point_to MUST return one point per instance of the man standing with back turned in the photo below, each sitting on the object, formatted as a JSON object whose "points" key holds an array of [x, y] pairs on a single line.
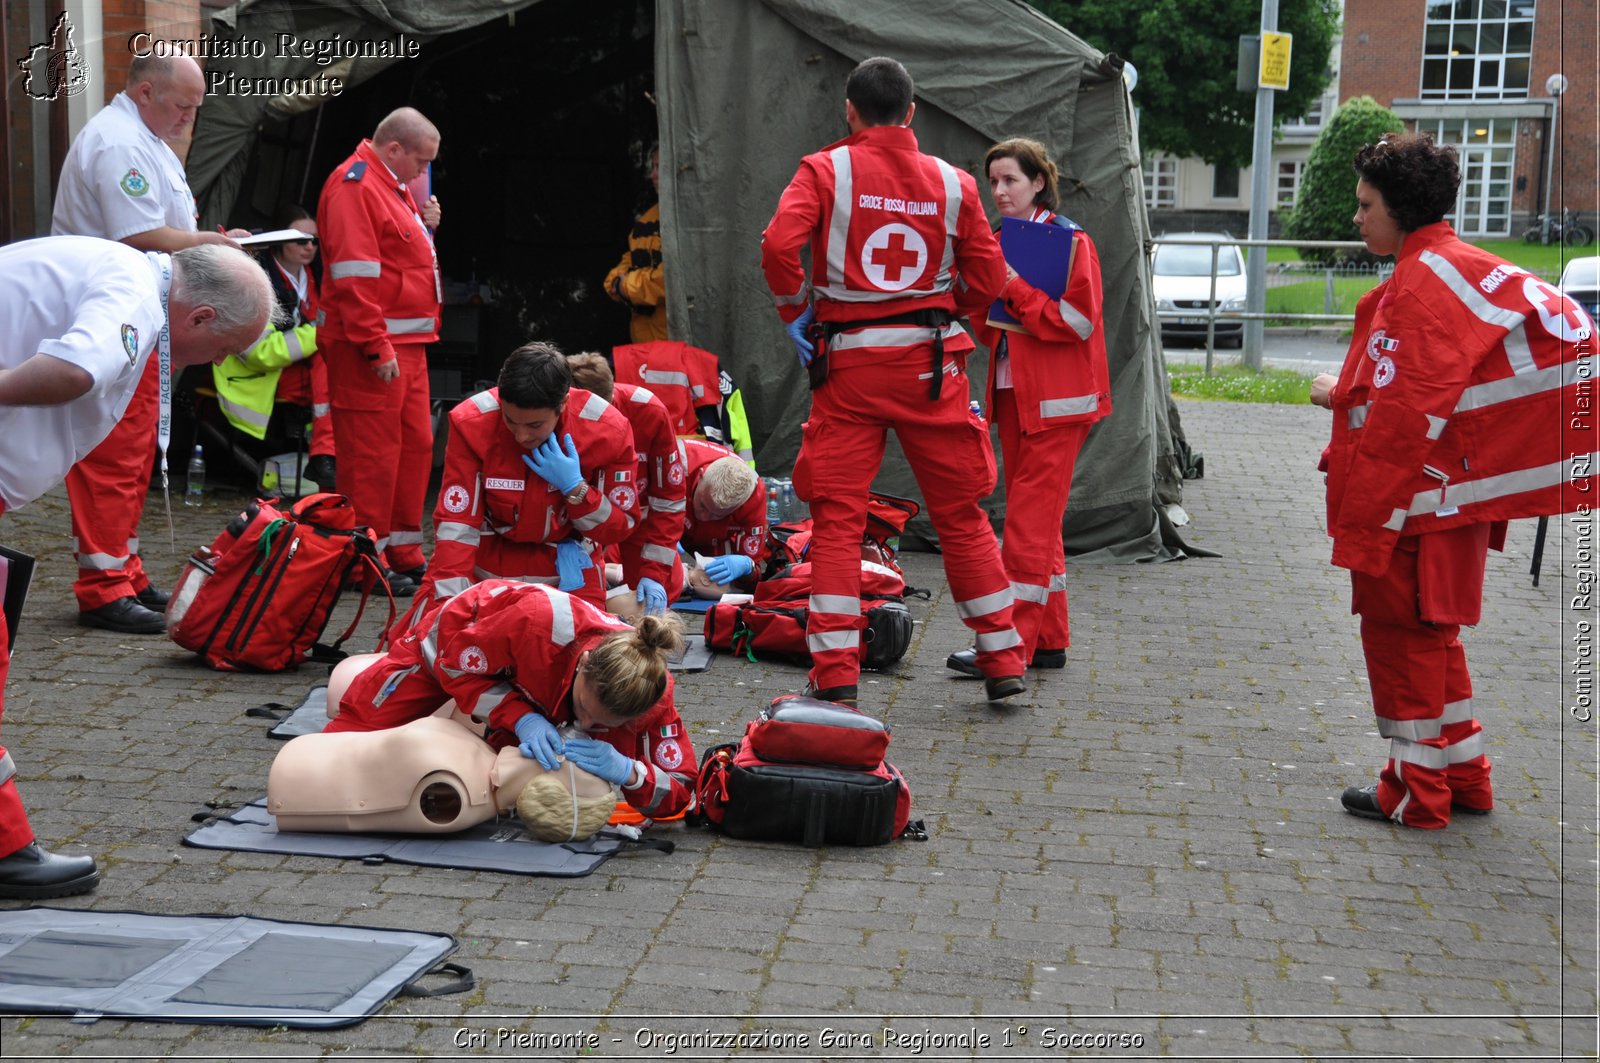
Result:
{"points": [[380, 310], [900, 248], [120, 181]]}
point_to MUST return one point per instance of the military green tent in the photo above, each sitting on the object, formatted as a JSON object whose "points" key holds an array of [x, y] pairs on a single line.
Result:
{"points": [[744, 90]]}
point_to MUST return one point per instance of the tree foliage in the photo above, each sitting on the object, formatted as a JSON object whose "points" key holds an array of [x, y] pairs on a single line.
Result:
{"points": [[1327, 199], [1187, 53]]}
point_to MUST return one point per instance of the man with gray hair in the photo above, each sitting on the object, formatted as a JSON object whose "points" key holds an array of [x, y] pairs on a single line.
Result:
{"points": [[121, 181], [380, 310], [79, 320]]}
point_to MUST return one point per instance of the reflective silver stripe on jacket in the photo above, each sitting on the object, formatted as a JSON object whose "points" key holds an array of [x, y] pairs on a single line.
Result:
{"points": [[453, 531], [320, 409], [801, 296], [354, 267], [592, 521], [1070, 406], [405, 326], [641, 394], [486, 402], [450, 587], [667, 505], [390, 684], [563, 629], [661, 555], [8, 767], [405, 538], [1516, 482], [239, 411], [594, 408], [1550, 378], [889, 336], [490, 700], [952, 213], [1075, 319], [844, 198], [666, 377], [291, 342], [1480, 306]]}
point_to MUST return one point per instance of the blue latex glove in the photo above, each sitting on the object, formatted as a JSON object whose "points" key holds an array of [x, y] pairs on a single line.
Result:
{"points": [[600, 759], [556, 463], [540, 740], [797, 336], [725, 568], [652, 595], [571, 560]]}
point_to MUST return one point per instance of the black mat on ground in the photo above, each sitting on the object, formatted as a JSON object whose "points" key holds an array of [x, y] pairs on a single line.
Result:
{"points": [[211, 968], [693, 605], [291, 721], [499, 845], [696, 657]]}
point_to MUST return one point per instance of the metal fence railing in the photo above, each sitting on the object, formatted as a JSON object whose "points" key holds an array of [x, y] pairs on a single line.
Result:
{"points": [[1298, 292]]}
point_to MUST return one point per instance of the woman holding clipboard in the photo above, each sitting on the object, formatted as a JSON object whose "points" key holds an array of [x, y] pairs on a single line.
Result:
{"points": [[1048, 382]]}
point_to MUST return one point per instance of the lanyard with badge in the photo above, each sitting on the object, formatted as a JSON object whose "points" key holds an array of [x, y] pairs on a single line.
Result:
{"points": [[164, 369]]}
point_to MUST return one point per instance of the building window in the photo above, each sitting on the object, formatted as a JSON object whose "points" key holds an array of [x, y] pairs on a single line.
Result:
{"points": [[1477, 49], [1225, 182], [1289, 182], [1160, 182], [1487, 148], [1312, 119]]}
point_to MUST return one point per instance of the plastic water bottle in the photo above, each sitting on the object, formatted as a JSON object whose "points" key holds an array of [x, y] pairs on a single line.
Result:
{"points": [[976, 408], [774, 504], [789, 505], [194, 490]]}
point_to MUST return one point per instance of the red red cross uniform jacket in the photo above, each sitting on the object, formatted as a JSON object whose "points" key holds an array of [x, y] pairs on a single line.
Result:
{"points": [[744, 531], [651, 550], [502, 650], [1455, 410], [495, 518], [1056, 384], [891, 232], [684, 378]]}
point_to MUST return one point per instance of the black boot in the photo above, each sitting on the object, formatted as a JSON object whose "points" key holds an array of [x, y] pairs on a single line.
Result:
{"points": [[32, 873]]}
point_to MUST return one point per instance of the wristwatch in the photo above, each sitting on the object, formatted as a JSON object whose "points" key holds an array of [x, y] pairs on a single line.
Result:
{"points": [[577, 494]]}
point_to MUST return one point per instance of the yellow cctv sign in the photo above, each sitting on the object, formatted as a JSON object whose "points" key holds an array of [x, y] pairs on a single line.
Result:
{"points": [[1275, 60]]}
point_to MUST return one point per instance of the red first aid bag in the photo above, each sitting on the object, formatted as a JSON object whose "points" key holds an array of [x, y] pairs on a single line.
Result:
{"points": [[258, 598], [773, 624], [748, 791]]}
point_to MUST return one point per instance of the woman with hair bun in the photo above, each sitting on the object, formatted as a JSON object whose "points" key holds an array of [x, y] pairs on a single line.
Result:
{"points": [[528, 660], [1046, 386], [1451, 416]]}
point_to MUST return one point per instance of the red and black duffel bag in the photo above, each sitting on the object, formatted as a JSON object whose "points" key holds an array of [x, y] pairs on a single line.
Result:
{"points": [[259, 597], [773, 624], [807, 771]]}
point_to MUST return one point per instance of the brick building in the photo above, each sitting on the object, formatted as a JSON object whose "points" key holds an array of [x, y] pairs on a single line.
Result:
{"points": [[1477, 74]]}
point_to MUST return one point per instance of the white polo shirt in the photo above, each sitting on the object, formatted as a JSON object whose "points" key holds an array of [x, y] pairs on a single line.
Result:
{"points": [[89, 302], [119, 179]]}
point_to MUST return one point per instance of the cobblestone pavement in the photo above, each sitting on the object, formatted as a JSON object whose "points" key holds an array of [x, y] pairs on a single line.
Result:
{"points": [[1144, 856]]}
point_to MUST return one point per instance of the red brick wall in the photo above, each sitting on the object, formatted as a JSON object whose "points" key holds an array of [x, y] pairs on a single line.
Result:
{"points": [[179, 19], [1382, 52]]}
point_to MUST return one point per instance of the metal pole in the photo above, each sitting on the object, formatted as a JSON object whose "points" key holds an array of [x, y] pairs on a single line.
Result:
{"points": [[1260, 184], [1549, 170]]}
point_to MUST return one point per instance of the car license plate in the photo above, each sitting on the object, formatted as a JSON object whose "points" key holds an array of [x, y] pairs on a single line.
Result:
{"points": [[1191, 321]]}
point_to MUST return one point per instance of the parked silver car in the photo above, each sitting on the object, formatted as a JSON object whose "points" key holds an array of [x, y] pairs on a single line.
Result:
{"points": [[1181, 273]]}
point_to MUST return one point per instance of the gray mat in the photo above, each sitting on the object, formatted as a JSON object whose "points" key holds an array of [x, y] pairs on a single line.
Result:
{"points": [[494, 846], [695, 657], [210, 968]]}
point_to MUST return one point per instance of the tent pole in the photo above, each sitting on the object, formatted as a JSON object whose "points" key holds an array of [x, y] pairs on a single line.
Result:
{"points": [[311, 153]]}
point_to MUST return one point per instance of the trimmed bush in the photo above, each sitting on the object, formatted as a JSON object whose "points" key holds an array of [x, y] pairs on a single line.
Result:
{"points": [[1327, 199]]}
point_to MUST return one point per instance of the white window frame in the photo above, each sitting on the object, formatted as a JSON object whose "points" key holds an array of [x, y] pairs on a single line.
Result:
{"points": [[1160, 182], [1478, 49]]}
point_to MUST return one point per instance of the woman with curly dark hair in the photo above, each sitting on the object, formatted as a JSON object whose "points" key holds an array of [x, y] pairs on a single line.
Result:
{"points": [[1450, 418]]}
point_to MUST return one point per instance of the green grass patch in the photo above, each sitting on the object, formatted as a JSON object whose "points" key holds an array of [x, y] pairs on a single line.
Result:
{"points": [[1311, 297], [1235, 383], [1536, 258]]}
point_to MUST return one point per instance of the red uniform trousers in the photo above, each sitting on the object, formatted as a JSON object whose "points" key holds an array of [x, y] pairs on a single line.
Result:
{"points": [[385, 440], [305, 383], [868, 392], [1411, 618], [1038, 478], [107, 490], [14, 829]]}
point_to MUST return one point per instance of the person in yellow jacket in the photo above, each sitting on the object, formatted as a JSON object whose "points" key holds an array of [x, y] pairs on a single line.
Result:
{"points": [[638, 280], [281, 365]]}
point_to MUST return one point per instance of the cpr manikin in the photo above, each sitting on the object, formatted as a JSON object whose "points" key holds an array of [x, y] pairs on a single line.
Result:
{"points": [[434, 775]]}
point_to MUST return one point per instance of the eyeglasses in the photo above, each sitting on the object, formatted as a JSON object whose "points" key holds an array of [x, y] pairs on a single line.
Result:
{"points": [[310, 241]]}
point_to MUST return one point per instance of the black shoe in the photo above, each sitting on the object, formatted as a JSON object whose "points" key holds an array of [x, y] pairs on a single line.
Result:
{"points": [[999, 687], [1048, 659], [320, 471], [964, 661], [415, 575], [152, 597], [125, 615], [400, 585], [840, 695], [31, 873], [1471, 810], [1362, 801]]}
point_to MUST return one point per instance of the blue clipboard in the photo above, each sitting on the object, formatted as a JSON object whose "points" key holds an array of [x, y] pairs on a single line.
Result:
{"points": [[1041, 253]]}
